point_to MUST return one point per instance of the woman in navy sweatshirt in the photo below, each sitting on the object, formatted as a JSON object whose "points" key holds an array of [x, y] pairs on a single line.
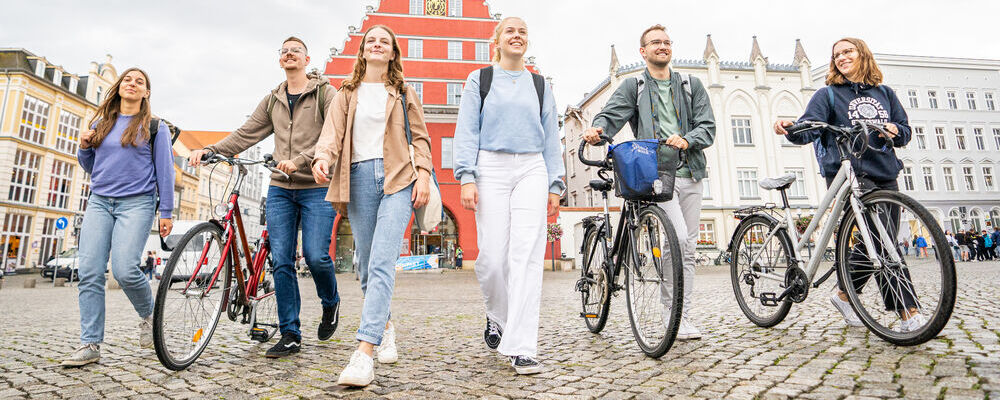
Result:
{"points": [[854, 92], [126, 173]]}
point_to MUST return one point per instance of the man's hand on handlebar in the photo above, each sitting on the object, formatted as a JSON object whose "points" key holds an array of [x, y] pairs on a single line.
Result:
{"points": [[195, 159], [287, 166], [677, 141], [781, 124], [593, 135]]}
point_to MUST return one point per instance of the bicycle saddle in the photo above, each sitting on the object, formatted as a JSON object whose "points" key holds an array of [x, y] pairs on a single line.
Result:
{"points": [[600, 185], [780, 183]]}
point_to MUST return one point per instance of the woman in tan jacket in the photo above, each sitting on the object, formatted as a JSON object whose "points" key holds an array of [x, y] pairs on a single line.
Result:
{"points": [[374, 178]]}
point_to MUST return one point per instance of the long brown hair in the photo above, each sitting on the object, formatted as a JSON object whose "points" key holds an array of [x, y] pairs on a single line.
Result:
{"points": [[496, 37], [394, 75], [869, 72], [107, 114]]}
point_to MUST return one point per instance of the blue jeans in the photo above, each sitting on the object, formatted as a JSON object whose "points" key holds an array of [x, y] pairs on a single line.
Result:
{"points": [[115, 228], [378, 221], [287, 210]]}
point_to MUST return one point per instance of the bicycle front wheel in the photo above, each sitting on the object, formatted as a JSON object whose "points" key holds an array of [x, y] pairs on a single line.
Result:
{"points": [[654, 282], [594, 284], [188, 304], [905, 300]]}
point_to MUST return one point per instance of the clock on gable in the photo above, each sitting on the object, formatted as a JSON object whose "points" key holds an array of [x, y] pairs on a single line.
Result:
{"points": [[436, 7]]}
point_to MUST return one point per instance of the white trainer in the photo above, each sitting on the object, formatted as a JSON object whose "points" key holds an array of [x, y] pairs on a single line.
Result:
{"points": [[687, 330], [845, 308], [146, 332], [359, 372], [387, 353], [914, 323]]}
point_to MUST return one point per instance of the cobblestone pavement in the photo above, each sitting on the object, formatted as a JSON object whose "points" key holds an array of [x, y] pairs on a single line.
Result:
{"points": [[440, 321]]}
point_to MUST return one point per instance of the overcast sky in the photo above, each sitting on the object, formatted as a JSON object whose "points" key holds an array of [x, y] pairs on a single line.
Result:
{"points": [[211, 61]]}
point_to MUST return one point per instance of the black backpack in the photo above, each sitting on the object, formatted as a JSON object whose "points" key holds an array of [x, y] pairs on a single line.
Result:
{"points": [[486, 80], [154, 127]]}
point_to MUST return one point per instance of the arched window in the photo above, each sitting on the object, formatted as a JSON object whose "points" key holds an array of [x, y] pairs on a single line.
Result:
{"points": [[976, 220], [956, 220]]}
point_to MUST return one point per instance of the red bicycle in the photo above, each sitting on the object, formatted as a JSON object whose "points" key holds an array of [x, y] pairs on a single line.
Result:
{"points": [[206, 274]]}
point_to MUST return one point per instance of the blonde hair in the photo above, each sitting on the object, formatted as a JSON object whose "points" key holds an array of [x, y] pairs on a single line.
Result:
{"points": [[110, 108], [868, 69], [394, 75], [496, 37], [657, 27]]}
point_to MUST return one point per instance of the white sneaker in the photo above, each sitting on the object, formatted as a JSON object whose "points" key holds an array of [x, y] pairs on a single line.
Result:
{"points": [[845, 308], [359, 372], [687, 330], [146, 332], [387, 353], [914, 323]]}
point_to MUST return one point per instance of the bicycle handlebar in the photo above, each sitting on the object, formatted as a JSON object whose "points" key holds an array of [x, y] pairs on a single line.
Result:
{"points": [[585, 161], [860, 130], [268, 161]]}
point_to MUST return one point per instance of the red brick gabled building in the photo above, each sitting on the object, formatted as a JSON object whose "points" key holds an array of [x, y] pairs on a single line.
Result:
{"points": [[441, 42]]}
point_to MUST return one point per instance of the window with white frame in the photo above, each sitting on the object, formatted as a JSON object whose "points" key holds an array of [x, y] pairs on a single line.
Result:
{"points": [[932, 99], [996, 137], [482, 51], [419, 88], [969, 176], [417, 7], [454, 50], [949, 178], [952, 101], [454, 8], [590, 196], [570, 165], [989, 184], [912, 94], [798, 188], [576, 201], [907, 177], [970, 98], [415, 48], [918, 133], [34, 120], [942, 141], [706, 233], [956, 220], [991, 105], [960, 138], [60, 180], [747, 181], [68, 132], [741, 130], [706, 188], [447, 152], [928, 178], [454, 93], [81, 205], [49, 240], [24, 179], [977, 134]]}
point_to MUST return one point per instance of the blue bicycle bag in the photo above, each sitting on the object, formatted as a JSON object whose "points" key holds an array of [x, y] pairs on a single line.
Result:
{"points": [[637, 171]]}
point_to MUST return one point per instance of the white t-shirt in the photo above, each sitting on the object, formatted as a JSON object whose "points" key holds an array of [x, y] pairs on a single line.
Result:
{"points": [[368, 131]]}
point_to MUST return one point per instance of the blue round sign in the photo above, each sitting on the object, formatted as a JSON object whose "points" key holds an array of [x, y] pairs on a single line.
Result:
{"points": [[61, 223]]}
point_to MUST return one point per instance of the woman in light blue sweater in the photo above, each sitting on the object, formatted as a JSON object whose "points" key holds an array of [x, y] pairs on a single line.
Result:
{"points": [[509, 161], [127, 171]]}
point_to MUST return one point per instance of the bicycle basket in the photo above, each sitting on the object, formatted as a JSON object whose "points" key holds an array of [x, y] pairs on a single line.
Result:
{"points": [[637, 171]]}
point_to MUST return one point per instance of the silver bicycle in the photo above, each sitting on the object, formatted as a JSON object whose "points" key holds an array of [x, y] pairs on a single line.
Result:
{"points": [[904, 300]]}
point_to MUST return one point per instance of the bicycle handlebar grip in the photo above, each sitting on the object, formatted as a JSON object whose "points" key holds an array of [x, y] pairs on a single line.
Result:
{"points": [[798, 127], [584, 160], [208, 155]]}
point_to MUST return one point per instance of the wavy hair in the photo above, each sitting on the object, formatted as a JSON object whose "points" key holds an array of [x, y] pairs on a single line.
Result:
{"points": [[394, 75], [868, 69], [110, 108]]}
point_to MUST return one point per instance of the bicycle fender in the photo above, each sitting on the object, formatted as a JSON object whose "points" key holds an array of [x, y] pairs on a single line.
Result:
{"points": [[590, 224]]}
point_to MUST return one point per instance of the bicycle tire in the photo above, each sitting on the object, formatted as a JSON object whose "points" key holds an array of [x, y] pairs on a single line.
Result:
{"points": [[739, 274], [163, 341], [945, 263], [593, 271], [674, 277]]}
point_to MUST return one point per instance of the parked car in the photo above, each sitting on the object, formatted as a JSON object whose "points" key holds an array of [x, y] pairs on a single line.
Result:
{"points": [[183, 272], [66, 265]]}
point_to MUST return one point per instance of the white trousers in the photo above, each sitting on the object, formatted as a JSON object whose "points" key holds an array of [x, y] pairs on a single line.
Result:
{"points": [[510, 222], [684, 211]]}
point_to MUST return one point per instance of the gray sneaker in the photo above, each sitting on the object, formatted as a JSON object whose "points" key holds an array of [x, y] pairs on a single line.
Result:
{"points": [[146, 332], [86, 354]]}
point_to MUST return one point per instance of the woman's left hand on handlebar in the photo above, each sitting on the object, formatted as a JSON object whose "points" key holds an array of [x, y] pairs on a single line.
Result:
{"points": [[422, 189], [677, 141], [891, 130]]}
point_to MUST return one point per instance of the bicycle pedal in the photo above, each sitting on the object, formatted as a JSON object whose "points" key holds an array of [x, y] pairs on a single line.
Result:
{"points": [[585, 315], [769, 299]]}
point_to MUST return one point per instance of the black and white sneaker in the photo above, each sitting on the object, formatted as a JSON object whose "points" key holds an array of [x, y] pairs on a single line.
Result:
{"points": [[525, 365], [328, 325], [492, 334], [289, 344]]}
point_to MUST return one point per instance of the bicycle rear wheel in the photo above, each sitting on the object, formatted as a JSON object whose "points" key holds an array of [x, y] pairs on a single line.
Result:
{"points": [[185, 317], [910, 298], [594, 284], [654, 282], [754, 278]]}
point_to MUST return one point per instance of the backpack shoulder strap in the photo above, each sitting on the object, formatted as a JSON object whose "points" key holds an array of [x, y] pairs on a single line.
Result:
{"points": [[406, 117], [154, 128], [829, 97], [686, 84], [321, 99], [485, 81], [540, 90]]}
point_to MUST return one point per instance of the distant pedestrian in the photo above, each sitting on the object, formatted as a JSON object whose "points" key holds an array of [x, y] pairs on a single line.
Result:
{"points": [[953, 243], [995, 237], [921, 246], [150, 265], [127, 169], [458, 257], [988, 245], [906, 248], [981, 246], [963, 245]]}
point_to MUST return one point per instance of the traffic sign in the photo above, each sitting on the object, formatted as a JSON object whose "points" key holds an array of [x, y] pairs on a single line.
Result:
{"points": [[61, 223]]}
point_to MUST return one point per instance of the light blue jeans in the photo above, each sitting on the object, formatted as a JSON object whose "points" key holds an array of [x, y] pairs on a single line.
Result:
{"points": [[378, 221], [115, 227]]}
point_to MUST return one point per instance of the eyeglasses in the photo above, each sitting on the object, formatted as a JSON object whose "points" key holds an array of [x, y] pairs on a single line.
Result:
{"points": [[846, 52], [296, 50], [657, 43]]}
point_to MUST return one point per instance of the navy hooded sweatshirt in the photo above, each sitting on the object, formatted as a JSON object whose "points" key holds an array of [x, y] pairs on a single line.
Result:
{"points": [[856, 102]]}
